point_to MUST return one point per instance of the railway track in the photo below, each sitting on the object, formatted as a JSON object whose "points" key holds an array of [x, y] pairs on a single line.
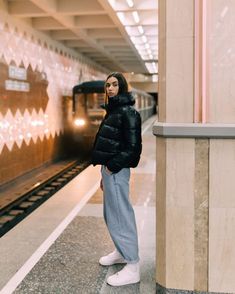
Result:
{"points": [[16, 211]]}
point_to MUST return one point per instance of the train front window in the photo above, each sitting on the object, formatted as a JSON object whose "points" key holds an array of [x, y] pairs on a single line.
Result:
{"points": [[94, 101], [80, 105]]}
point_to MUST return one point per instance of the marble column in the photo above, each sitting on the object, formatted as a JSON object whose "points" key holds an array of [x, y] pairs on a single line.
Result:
{"points": [[195, 205]]}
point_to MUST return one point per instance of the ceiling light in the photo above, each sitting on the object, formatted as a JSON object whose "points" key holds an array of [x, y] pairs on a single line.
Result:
{"points": [[154, 64], [133, 39], [136, 41], [130, 3], [112, 3], [154, 46], [154, 78], [139, 46], [141, 30], [154, 50], [144, 39], [153, 40], [121, 16], [129, 30], [136, 16], [144, 57], [151, 66], [132, 31], [142, 51]]}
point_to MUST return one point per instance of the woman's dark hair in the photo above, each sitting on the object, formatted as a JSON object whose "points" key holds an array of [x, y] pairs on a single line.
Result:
{"points": [[122, 83]]}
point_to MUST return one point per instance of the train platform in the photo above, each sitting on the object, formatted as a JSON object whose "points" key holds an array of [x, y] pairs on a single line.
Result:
{"points": [[56, 248]]}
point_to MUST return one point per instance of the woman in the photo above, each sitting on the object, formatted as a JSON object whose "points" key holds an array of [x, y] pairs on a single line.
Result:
{"points": [[118, 147]]}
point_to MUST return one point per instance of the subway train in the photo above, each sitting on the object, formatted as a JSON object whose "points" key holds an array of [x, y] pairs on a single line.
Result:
{"points": [[87, 112]]}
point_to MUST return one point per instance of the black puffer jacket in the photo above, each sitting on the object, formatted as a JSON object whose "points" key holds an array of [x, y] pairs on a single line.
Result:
{"points": [[118, 143]]}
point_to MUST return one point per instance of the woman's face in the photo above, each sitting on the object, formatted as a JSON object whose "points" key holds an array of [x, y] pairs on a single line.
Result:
{"points": [[112, 86]]}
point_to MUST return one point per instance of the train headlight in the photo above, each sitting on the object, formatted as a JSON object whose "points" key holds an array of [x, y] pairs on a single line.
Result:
{"points": [[79, 122]]}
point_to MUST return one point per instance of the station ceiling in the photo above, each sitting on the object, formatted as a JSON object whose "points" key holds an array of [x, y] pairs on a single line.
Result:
{"points": [[119, 35]]}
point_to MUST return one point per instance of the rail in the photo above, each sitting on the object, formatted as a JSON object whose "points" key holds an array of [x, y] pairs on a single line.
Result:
{"points": [[26, 203]]}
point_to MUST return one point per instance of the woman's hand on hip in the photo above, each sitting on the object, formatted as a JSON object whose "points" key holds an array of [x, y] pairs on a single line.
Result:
{"points": [[108, 171]]}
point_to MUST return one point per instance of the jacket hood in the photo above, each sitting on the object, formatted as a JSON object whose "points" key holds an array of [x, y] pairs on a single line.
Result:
{"points": [[120, 100]]}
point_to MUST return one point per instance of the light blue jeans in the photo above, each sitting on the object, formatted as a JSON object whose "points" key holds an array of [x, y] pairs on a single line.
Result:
{"points": [[119, 214]]}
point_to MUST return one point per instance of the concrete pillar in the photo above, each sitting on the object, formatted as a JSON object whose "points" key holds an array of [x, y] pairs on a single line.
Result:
{"points": [[195, 185]]}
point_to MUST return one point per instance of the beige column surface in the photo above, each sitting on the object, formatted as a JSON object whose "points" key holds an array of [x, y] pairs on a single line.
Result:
{"points": [[195, 177], [175, 157], [162, 60], [222, 61], [222, 152], [180, 214], [179, 80], [176, 60], [222, 216]]}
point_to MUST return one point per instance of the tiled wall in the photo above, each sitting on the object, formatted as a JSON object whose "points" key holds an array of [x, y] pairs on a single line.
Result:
{"points": [[34, 77]]}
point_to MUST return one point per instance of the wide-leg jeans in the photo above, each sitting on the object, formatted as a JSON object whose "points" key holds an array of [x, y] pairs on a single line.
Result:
{"points": [[119, 214]]}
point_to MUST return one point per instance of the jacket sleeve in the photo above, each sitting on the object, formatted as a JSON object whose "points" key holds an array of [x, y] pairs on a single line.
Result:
{"points": [[130, 155]]}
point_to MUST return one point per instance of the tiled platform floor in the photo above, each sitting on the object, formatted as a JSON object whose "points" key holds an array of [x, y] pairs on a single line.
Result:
{"points": [[71, 263]]}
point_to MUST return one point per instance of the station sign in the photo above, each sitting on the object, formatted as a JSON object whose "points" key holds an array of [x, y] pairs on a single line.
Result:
{"points": [[17, 76]]}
